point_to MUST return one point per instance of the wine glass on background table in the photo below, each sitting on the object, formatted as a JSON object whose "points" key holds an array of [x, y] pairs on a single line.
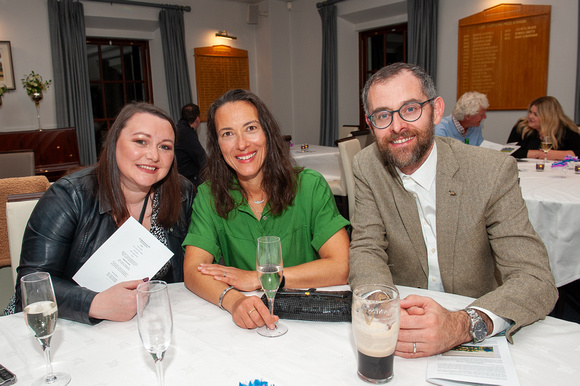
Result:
{"points": [[270, 272], [40, 314], [155, 321], [546, 146]]}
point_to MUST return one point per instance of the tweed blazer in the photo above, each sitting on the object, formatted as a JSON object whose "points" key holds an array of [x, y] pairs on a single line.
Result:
{"points": [[486, 246]]}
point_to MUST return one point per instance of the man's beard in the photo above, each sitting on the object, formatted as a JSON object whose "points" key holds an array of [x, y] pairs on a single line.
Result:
{"points": [[403, 158]]}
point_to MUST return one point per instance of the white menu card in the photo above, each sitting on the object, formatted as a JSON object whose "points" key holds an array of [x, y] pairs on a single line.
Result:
{"points": [[131, 253]]}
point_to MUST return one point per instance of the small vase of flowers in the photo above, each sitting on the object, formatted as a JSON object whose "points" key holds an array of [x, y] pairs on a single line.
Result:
{"points": [[35, 85]]}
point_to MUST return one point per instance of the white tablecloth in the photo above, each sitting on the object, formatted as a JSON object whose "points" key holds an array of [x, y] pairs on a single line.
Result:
{"points": [[553, 201], [323, 159], [209, 349]]}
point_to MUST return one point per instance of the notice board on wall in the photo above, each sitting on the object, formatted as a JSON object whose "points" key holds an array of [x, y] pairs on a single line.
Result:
{"points": [[503, 53], [219, 69]]}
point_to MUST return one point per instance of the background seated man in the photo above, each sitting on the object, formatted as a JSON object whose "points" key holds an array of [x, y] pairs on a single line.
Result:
{"points": [[465, 122], [189, 152], [428, 215]]}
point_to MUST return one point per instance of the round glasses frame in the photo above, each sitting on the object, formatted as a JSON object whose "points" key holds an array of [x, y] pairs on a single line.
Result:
{"points": [[404, 115]]}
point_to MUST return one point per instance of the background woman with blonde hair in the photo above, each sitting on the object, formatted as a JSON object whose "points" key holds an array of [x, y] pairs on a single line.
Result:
{"points": [[545, 118]]}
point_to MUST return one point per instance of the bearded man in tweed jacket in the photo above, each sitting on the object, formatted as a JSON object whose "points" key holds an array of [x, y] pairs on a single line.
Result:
{"points": [[434, 213]]}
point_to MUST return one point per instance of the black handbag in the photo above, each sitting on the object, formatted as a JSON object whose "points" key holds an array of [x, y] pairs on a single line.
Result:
{"points": [[313, 305]]}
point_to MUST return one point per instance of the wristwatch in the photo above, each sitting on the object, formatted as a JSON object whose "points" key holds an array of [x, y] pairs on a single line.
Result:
{"points": [[478, 329]]}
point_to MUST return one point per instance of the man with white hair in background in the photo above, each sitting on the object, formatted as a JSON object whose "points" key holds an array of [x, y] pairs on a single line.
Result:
{"points": [[464, 123]]}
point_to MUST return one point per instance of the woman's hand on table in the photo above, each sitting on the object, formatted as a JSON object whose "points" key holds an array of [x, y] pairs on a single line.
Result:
{"points": [[240, 279], [538, 154], [118, 303], [250, 312]]}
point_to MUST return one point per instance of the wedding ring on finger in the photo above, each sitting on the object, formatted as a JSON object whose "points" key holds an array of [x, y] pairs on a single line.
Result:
{"points": [[252, 310], [414, 348]]}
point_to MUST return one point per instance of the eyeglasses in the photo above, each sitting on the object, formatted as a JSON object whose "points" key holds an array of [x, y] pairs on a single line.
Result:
{"points": [[409, 112]]}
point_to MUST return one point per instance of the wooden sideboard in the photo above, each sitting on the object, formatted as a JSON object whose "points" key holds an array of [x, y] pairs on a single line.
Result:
{"points": [[55, 150]]}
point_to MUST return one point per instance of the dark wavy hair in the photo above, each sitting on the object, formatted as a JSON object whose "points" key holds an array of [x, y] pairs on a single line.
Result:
{"points": [[280, 173], [109, 176]]}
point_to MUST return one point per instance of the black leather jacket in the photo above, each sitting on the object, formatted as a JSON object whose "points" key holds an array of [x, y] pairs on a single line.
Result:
{"points": [[68, 225]]}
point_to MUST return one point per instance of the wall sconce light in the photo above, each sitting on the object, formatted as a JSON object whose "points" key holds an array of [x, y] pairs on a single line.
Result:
{"points": [[225, 35]]}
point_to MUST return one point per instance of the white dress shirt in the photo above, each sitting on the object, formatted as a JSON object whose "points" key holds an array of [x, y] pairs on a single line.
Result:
{"points": [[422, 184]]}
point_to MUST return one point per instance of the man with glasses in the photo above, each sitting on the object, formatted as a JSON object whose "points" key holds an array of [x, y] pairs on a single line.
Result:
{"points": [[434, 213]]}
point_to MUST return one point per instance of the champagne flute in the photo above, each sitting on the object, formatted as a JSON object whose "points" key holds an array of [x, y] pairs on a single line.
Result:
{"points": [[155, 321], [270, 271], [546, 146], [40, 314]]}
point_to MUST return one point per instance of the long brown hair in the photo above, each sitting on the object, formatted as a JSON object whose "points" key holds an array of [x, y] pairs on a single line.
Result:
{"points": [[553, 121], [279, 170], [109, 176]]}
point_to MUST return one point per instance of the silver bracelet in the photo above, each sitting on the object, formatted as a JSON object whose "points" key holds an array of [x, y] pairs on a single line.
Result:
{"points": [[222, 296]]}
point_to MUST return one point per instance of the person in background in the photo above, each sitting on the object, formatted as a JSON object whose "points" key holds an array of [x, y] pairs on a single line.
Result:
{"points": [[136, 176], [428, 215], [254, 189], [465, 122], [190, 154], [545, 118]]}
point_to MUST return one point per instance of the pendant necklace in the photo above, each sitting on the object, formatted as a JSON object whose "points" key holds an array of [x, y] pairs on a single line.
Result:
{"points": [[259, 202]]}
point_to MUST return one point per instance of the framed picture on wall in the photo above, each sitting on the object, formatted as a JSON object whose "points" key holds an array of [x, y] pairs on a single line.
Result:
{"points": [[6, 69]]}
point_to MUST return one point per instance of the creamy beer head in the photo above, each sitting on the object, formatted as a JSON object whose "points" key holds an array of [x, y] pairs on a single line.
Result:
{"points": [[375, 324]]}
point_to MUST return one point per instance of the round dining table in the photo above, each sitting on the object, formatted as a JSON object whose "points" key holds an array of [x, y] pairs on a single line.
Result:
{"points": [[553, 200], [207, 348]]}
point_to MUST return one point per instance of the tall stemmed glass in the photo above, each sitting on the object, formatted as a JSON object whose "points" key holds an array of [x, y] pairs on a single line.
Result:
{"points": [[155, 321], [546, 146], [270, 271], [40, 315]]}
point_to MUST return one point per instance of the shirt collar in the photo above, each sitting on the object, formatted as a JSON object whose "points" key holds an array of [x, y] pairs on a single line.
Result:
{"points": [[425, 175], [460, 128]]}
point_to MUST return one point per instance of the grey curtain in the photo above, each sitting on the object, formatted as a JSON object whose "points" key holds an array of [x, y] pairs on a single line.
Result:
{"points": [[577, 100], [422, 34], [329, 85], [71, 74], [175, 60]]}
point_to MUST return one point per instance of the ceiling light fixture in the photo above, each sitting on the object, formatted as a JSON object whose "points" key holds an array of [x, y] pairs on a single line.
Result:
{"points": [[224, 34]]}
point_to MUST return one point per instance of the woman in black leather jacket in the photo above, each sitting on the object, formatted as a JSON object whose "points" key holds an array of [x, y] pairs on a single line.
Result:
{"points": [[136, 176]]}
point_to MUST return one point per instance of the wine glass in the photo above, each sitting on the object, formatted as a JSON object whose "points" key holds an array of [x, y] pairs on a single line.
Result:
{"points": [[155, 321], [40, 314], [270, 271], [546, 146]]}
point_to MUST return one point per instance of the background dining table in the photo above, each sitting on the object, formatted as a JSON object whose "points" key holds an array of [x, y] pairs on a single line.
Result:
{"points": [[209, 349], [323, 159], [553, 201], [552, 198]]}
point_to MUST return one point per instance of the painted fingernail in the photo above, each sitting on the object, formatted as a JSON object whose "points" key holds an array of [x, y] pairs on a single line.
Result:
{"points": [[146, 280]]}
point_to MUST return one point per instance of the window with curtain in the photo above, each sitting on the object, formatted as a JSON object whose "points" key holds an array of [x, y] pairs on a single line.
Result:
{"points": [[119, 73], [377, 48]]}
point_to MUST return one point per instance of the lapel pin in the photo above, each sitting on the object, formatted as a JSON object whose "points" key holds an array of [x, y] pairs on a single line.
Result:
{"points": [[452, 193]]}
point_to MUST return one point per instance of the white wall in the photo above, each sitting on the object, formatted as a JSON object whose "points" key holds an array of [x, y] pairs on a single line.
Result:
{"points": [[284, 53]]}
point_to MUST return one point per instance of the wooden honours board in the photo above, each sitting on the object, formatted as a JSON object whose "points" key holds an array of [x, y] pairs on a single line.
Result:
{"points": [[219, 69], [503, 53]]}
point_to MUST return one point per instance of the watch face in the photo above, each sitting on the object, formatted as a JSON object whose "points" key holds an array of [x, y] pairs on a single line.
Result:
{"points": [[479, 331]]}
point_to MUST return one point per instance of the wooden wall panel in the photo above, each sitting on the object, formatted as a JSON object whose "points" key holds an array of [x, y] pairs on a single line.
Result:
{"points": [[503, 53], [219, 69]]}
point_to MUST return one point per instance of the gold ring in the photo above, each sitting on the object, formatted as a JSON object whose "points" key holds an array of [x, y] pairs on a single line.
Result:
{"points": [[252, 310], [414, 348]]}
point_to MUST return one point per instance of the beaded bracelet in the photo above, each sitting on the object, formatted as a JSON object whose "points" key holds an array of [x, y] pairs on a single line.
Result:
{"points": [[222, 296]]}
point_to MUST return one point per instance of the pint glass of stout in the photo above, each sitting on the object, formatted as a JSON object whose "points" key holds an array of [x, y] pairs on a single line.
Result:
{"points": [[375, 324]]}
